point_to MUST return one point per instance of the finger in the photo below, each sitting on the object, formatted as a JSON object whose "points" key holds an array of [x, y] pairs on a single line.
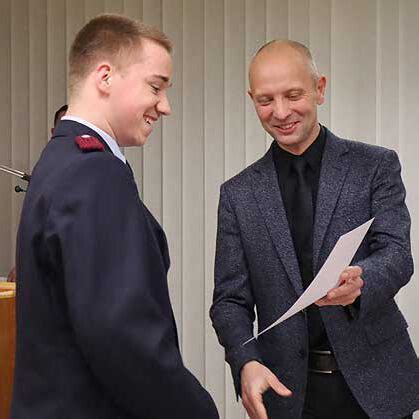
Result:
{"points": [[278, 387], [249, 409], [345, 300], [345, 289], [260, 410], [353, 271], [341, 297]]}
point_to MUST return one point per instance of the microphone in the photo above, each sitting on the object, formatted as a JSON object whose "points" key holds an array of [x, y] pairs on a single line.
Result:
{"points": [[18, 173]]}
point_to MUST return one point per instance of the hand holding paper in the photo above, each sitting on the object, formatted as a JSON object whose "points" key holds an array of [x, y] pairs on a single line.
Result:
{"points": [[329, 275], [347, 290]]}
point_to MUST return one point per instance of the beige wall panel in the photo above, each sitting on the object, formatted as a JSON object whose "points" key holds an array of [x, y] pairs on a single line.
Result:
{"points": [[92, 8], [56, 58], [172, 159], [114, 6], [214, 176], [6, 258], [320, 25], [277, 26], [193, 187], [353, 82], [409, 147], [255, 38], [234, 85], [276, 19], [152, 150], [234, 134], [75, 18], [134, 9], [38, 75], [20, 101], [387, 74], [299, 20]]}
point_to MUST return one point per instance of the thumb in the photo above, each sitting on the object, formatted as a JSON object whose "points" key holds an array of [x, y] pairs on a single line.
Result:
{"points": [[278, 387]]}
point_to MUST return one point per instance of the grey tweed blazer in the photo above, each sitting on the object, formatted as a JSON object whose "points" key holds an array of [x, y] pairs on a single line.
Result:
{"points": [[256, 266]]}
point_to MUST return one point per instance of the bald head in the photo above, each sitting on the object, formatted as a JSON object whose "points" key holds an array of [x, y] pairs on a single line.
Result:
{"points": [[286, 89], [286, 49]]}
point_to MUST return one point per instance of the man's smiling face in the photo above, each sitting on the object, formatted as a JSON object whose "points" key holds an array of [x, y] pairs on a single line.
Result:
{"points": [[286, 94], [138, 94]]}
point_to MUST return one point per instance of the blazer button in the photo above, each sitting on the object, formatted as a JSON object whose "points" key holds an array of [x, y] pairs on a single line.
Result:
{"points": [[302, 353]]}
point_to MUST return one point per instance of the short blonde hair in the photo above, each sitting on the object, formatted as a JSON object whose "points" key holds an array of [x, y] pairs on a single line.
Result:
{"points": [[108, 36]]}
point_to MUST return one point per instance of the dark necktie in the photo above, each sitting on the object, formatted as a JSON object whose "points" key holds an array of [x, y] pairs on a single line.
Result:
{"points": [[302, 219], [302, 233]]}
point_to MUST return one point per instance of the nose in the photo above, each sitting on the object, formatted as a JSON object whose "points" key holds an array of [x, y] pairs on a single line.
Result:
{"points": [[281, 109], [163, 106]]}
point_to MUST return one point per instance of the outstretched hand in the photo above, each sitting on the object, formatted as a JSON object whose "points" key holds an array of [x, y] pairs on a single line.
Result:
{"points": [[348, 289], [255, 380]]}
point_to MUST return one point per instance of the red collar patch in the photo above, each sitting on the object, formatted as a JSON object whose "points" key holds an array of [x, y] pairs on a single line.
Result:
{"points": [[89, 143]]}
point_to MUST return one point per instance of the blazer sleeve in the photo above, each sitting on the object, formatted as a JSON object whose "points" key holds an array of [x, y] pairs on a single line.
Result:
{"points": [[389, 265], [232, 311], [117, 293]]}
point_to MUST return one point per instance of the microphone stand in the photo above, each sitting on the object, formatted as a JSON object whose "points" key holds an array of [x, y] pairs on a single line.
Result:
{"points": [[18, 173]]}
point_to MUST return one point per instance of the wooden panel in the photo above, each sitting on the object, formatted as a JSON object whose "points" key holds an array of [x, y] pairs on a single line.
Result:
{"points": [[38, 85], [193, 187], [320, 25], [353, 87], [6, 258], [152, 150], [7, 345], [172, 159], [214, 176]]}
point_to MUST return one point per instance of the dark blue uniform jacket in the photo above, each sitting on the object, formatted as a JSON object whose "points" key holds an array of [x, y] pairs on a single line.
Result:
{"points": [[96, 337]]}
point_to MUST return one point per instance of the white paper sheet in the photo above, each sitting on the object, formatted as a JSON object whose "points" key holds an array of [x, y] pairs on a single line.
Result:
{"points": [[328, 276]]}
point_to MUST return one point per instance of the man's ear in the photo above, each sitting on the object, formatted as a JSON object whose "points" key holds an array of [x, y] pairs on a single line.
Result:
{"points": [[321, 89], [249, 92], [103, 77]]}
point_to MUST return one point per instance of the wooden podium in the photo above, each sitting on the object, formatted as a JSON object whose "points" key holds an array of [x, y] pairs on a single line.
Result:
{"points": [[7, 345]]}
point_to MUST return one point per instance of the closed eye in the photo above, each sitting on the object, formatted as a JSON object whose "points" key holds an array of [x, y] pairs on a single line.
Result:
{"points": [[156, 89], [264, 101]]}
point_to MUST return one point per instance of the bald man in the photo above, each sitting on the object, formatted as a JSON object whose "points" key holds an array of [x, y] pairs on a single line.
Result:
{"points": [[349, 356]]}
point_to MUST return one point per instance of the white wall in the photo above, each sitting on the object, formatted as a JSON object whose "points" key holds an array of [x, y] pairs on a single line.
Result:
{"points": [[367, 49]]}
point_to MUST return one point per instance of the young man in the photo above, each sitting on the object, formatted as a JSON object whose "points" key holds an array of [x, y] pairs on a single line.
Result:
{"points": [[349, 356], [96, 334]]}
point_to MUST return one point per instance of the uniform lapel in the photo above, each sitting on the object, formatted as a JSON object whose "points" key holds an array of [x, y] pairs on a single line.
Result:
{"points": [[335, 165], [269, 200]]}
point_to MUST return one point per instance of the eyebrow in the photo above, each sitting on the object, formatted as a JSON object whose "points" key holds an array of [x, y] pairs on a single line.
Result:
{"points": [[164, 79]]}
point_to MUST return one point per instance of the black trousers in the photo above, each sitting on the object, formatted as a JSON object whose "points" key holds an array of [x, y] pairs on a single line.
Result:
{"points": [[329, 397]]}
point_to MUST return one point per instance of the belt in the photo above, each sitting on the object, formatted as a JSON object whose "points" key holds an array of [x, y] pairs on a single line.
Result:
{"points": [[322, 362]]}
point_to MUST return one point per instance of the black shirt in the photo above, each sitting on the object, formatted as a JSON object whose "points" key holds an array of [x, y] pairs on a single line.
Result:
{"points": [[287, 183]]}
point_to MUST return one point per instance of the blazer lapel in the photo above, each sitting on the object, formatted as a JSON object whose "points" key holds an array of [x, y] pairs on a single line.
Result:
{"points": [[335, 165], [269, 200]]}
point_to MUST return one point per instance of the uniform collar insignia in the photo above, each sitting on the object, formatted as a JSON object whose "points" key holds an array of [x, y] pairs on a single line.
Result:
{"points": [[89, 143]]}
